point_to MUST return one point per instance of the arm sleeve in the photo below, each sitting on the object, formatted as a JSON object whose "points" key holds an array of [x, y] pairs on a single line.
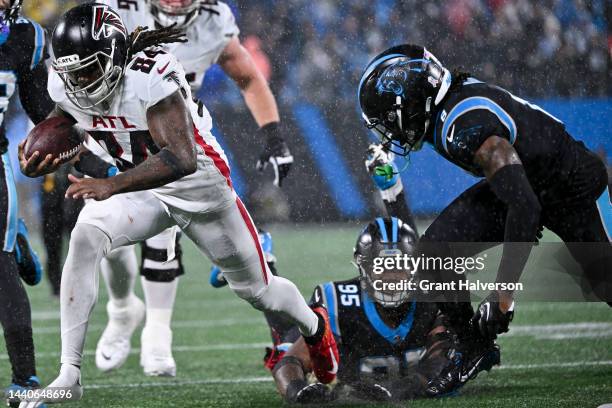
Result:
{"points": [[33, 93], [399, 209], [510, 184], [32, 75]]}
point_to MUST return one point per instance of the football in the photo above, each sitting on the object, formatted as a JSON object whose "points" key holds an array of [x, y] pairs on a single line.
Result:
{"points": [[55, 136]]}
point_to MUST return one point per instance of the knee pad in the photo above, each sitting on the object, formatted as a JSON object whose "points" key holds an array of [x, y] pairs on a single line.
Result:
{"points": [[155, 266]]}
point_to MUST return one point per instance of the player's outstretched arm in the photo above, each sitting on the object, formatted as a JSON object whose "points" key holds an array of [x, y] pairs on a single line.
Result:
{"points": [[171, 128], [290, 377], [505, 173], [238, 64]]}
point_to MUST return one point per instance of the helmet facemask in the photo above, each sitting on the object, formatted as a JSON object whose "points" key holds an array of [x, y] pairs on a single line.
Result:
{"points": [[179, 13], [382, 239], [103, 78], [383, 296]]}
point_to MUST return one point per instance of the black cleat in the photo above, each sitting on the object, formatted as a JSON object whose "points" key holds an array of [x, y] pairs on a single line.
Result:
{"points": [[464, 366]]}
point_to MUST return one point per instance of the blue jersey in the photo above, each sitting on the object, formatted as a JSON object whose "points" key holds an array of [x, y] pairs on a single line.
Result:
{"points": [[369, 348], [477, 111], [22, 58]]}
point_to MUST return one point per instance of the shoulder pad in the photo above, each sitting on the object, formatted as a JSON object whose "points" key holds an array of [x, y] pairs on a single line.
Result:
{"points": [[28, 39]]}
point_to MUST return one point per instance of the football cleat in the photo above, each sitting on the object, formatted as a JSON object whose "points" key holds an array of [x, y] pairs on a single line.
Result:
{"points": [[156, 351], [275, 354], [463, 367], [67, 386], [30, 268], [11, 393], [324, 353], [114, 346]]}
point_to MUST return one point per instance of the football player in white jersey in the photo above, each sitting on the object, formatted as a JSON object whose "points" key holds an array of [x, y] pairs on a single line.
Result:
{"points": [[134, 102], [212, 36]]}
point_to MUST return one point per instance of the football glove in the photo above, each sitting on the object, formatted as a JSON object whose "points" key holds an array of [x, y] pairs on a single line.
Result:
{"points": [[275, 152], [489, 318], [381, 167]]}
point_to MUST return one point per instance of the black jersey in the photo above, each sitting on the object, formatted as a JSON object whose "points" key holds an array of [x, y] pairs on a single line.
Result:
{"points": [[22, 65], [478, 110], [368, 347]]}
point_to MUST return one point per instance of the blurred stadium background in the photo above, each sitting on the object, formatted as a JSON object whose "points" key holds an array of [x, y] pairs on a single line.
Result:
{"points": [[556, 53]]}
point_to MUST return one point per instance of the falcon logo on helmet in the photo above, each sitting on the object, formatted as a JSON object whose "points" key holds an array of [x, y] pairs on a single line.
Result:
{"points": [[105, 21]]}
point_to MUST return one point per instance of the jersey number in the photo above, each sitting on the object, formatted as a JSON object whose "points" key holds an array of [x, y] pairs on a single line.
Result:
{"points": [[140, 143], [349, 295], [143, 64], [390, 366]]}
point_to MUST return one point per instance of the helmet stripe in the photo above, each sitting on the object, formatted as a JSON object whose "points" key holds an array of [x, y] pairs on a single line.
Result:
{"points": [[394, 231], [383, 229]]}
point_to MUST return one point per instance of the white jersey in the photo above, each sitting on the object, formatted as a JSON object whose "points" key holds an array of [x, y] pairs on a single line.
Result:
{"points": [[123, 132], [207, 36]]}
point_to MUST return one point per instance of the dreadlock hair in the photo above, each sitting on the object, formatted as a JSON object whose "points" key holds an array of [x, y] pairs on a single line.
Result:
{"points": [[142, 38], [459, 77], [12, 13]]}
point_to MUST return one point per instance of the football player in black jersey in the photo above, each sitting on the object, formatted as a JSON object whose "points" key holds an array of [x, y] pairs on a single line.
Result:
{"points": [[22, 55], [390, 345], [535, 174]]}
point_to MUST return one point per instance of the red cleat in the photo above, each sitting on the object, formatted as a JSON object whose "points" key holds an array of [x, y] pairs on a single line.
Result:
{"points": [[324, 354], [272, 357]]}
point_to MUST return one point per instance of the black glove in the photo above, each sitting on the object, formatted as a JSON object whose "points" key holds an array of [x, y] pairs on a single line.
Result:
{"points": [[371, 392], [276, 152], [490, 319], [301, 392]]}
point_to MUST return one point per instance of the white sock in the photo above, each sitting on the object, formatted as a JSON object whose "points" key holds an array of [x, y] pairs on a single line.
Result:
{"points": [[119, 269], [79, 288], [283, 296], [159, 298]]}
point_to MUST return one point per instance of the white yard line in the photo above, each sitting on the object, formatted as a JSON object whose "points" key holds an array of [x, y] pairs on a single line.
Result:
{"points": [[178, 324], [269, 378], [566, 331], [542, 332], [175, 349]]}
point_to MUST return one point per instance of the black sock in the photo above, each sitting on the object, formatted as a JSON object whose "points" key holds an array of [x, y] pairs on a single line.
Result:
{"points": [[20, 349], [16, 320], [318, 336]]}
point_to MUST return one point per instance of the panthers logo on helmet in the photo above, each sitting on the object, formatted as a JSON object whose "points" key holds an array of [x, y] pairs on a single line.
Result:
{"points": [[105, 21], [394, 78]]}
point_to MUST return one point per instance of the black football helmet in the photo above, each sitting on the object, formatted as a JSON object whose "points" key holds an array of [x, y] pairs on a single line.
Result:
{"points": [[384, 237], [90, 47], [178, 13], [398, 92]]}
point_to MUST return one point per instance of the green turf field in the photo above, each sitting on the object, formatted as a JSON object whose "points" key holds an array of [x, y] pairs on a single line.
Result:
{"points": [[556, 355]]}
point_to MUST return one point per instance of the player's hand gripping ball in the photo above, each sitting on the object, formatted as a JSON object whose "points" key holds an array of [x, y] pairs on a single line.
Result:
{"points": [[51, 143]]}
